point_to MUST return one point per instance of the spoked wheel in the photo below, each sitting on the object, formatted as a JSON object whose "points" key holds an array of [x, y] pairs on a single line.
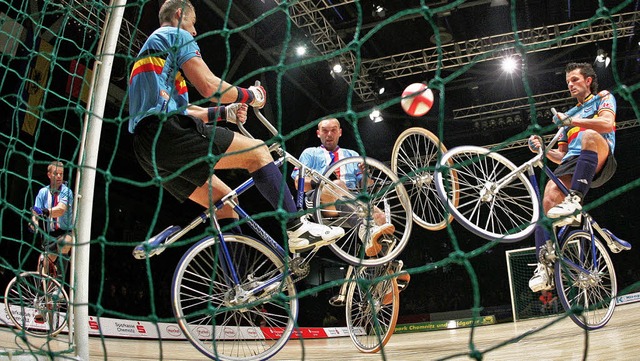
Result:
{"points": [[37, 304], [489, 200], [586, 280], [226, 320], [372, 308], [414, 159], [356, 208]]}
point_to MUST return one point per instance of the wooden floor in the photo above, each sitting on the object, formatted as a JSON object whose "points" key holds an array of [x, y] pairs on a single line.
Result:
{"points": [[522, 341]]}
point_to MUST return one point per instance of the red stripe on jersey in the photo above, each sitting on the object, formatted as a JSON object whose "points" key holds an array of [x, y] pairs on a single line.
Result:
{"points": [[573, 133], [181, 84], [153, 64]]}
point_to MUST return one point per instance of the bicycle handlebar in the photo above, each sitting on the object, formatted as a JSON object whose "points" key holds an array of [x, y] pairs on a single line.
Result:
{"points": [[555, 138], [262, 119]]}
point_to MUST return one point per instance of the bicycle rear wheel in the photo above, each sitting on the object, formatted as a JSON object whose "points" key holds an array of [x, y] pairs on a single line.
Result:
{"points": [[414, 159], [586, 280], [225, 320], [505, 214], [384, 192], [372, 309], [37, 304]]}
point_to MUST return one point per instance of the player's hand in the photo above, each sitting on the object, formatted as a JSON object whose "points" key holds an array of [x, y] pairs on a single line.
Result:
{"points": [[259, 96], [535, 142], [562, 120], [41, 212], [236, 112]]}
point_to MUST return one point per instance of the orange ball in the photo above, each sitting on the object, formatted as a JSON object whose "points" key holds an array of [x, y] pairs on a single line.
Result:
{"points": [[417, 99]]}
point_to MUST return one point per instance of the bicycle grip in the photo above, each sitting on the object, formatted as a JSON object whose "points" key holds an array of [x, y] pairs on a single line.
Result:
{"points": [[554, 111]]}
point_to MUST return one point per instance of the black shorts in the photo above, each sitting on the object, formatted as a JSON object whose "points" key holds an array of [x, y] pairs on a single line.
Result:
{"points": [[185, 151], [607, 171]]}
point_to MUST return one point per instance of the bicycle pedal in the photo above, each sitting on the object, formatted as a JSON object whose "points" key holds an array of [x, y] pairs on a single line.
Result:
{"points": [[571, 221], [150, 247], [337, 301]]}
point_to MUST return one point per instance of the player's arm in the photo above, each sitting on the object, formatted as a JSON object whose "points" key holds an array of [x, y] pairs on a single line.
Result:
{"points": [[556, 155], [207, 84], [603, 123], [232, 113], [309, 183], [59, 210]]}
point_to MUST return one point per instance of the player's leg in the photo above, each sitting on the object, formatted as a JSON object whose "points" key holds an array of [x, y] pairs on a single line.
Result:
{"points": [[210, 193], [369, 231], [594, 154], [382, 191], [254, 156], [542, 276]]}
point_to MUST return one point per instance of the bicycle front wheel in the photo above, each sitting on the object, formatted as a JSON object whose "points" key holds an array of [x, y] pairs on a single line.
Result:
{"points": [[226, 320], [382, 192], [372, 308], [37, 304], [586, 280], [414, 159], [491, 199]]}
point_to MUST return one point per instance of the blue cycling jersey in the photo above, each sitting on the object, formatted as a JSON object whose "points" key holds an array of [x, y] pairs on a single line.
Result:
{"points": [[48, 199], [156, 84], [319, 159], [590, 109]]}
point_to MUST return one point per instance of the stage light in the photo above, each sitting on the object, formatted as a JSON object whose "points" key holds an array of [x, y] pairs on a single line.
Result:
{"points": [[301, 50], [336, 69], [509, 64], [379, 11], [378, 84], [375, 115]]}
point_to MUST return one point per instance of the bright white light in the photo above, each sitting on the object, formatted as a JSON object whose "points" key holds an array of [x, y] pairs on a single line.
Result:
{"points": [[381, 90], [375, 115], [452, 324], [337, 68], [509, 64], [301, 50]]}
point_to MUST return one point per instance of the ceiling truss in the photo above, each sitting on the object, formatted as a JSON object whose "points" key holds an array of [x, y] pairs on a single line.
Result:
{"points": [[307, 15]]}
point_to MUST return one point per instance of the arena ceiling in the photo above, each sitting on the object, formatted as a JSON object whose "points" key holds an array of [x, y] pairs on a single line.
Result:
{"points": [[401, 46], [456, 46]]}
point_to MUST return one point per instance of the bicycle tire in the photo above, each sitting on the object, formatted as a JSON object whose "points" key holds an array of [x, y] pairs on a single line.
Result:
{"points": [[385, 192], [370, 320], [506, 215], [25, 298], [593, 293], [211, 314], [414, 159]]}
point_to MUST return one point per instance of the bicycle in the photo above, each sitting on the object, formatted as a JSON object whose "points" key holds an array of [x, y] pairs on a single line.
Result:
{"points": [[36, 301], [234, 296], [499, 202], [414, 159]]}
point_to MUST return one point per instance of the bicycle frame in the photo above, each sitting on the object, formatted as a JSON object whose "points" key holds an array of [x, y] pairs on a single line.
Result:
{"points": [[264, 237], [588, 224]]}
